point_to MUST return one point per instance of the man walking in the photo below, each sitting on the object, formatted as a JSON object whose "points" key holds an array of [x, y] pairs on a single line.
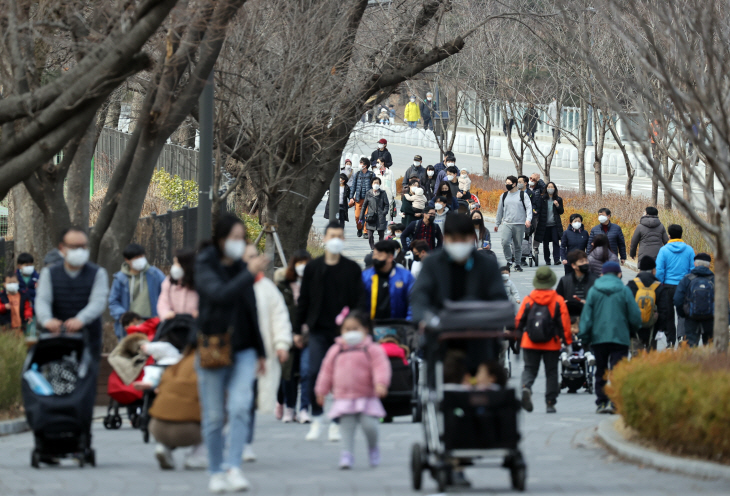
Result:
{"points": [[537, 188], [614, 233], [412, 113], [515, 210], [382, 152], [695, 301], [649, 236], [424, 229], [674, 261], [652, 297], [387, 286], [416, 170], [360, 187], [428, 111], [574, 286]]}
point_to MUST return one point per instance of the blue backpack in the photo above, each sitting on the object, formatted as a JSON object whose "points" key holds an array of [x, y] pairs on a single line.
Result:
{"points": [[699, 304]]}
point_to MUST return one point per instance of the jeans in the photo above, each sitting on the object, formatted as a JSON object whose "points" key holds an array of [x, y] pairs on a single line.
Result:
{"points": [[532, 365], [551, 236], [252, 422], [412, 124], [381, 234], [607, 356], [236, 384], [694, 329], [671, 330], [512, 235], [319, 344], [291, 386]]}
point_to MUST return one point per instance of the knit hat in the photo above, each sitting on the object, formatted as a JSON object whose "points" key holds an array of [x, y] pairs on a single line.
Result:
{"points": [[418, 158], [611, 268], [704, 257], [647, 263], [383, 141], [383, 332], [545, 278], [464, 169]]}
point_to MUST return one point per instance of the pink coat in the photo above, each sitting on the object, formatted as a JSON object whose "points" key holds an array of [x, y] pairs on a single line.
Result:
{"points": [[176, 298], [352, 372]]}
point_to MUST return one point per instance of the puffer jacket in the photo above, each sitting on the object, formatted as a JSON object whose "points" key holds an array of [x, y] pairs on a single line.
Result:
{"points": [[352, 372], [375, 210], [676, 259], [549, 298], [610, 314], [573, 240], [177, 398], [615, 238], [412, 112], [649, 237], [595, 259]]}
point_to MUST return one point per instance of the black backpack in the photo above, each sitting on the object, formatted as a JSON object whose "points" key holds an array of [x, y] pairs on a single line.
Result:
{"points": [[522, 199], [699, 303], [539, 325]]}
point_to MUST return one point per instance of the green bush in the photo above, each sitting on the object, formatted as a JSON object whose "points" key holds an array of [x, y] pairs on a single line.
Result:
{"points": [[176, 191], [253, 229], [12, 355]]}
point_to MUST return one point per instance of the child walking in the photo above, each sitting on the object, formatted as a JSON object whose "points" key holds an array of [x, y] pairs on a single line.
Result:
{"points": [[357, 371]]}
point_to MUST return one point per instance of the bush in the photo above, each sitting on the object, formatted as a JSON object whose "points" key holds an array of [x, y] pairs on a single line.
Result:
{"points": [[677, 401], [12, 355], [176, 191], [253, 229]]}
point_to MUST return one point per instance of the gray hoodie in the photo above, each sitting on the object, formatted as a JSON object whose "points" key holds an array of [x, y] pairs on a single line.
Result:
{"points": [[512, 211], [649, 236]]}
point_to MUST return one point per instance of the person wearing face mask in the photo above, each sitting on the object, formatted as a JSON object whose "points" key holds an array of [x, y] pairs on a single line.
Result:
{"points": [[27, 276], [415, 171], [15, 308], [614, 233], [536, 189], [360, 187], [178, 295], [227, 313], [444, 191], [406, 205], [387, 287], [515, 211], [424, 229], [441, 212], [441, 166], [574, 238], [428, 110], [484, 239], [450, 176], [382, 152], [429, 185], [347, 171], [135, 288], [387, 184], [375, 212], [419, 252], [344, 201], [330, 283], [574, 287], [412, 113], [549, 225]]}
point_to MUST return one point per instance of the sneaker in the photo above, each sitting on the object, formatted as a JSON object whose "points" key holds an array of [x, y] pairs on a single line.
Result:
{"points": [[610, 408], [601, 408], [304, 417], [334, 433], [236, 481], [551, 409], [527, 399], [374, 456], [517, 268], [249, 455], [279, 411], [314, 430], [359, 233], [590, 359], [346, 460], [218, 483], [288, 415], [164, 457], [197, 459]]}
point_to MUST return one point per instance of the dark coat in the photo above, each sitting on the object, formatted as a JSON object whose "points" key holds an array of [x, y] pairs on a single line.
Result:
{"points": [[567, 286], [542, 216], [384, 154], [428, 110], [594, 259], [573, 240], [406, 206], [410, 233], [344, 207], [530, 121], [649, 237], [375, 210], [429, 186], [412, 172], [615, 239]]}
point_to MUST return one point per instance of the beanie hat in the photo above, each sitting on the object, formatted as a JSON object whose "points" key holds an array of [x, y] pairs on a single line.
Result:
{"points": [[383, 141], [545, 278], [647, 263], [611, 268], [704, 257]]}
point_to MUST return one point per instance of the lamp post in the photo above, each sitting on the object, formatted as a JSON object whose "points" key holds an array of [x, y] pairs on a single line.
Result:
{"points": [[205, 179]]}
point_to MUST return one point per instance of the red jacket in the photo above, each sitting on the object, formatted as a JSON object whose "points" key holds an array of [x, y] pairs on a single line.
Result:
{"points": [[546, 297], [148, 328], [394, 351]]}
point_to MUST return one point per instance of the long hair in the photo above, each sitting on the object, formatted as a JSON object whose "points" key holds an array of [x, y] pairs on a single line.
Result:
{"points": [[299, 256], [482, 228], [601, 241], [447, 194], [545, 193], [186, 259]]}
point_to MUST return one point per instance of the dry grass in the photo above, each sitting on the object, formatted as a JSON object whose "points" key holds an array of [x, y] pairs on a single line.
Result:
{"points": [[153, 202]]}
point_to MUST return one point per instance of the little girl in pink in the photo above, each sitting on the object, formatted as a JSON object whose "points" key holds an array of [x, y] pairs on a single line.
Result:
{"points": [[357, 371]]}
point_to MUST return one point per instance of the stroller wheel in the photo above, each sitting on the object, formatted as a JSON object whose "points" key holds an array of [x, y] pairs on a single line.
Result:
{"points": [[387, 419], [116, 422], [35, 459], [108, 422], [135, 420], [442, 479], [416, 467]]}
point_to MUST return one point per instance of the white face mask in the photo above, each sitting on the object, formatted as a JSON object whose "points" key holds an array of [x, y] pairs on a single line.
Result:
{"points": [[12, 287], [602, 219], [27, 270], [430, 173], [398, 233], [77, 257], [334, 246], [459, 251], [413, 100], [428, 98], [576, 225], [449, 164], [376, 187], [450, 177], [532, 183], [521, 185], [381, 146], [139, 264], [505, 277], [177, 272], [416, 164], [353, 338], [418, 191], [438, 207], [234, 248], [299, 269]]}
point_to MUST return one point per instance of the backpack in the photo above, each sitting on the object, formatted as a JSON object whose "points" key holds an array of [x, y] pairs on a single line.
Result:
{"points": [[646, 299], [522, 199], [539, 325], [699, 304]]}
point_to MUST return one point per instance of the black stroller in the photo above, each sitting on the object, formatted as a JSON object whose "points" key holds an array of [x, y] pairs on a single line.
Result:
{"points": [[61, 422], [577, 368], [464, 426]]}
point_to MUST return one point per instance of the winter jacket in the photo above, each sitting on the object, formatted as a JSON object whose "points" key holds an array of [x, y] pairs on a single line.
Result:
{"points": [[542, 216], [573, 240], [285, 288], [400, 285], [28, 288], [393, 350], [681, 292], [428, 109], [148, 328], [177, 395], [595, 260], [649, 236], [119, 296], [615, 239], [361, 185], [344, 207], [610, 314], [549, 298], [413, 171], [412, 233], [511, 289], [412, 113], [176, 298], [429, 186], [530, 121], [26, 309], [352, 372], [387, 183], [275, 328], [675, 260], [384, 154], [479, 242], [539, 188], [375, 211], [453, 206], [664, 306], [567, 287]]}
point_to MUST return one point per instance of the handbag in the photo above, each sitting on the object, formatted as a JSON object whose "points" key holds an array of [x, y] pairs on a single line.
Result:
{"points": [[214, 350]]}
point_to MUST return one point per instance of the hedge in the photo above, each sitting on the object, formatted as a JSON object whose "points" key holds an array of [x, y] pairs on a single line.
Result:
{"points": [[13, 351]]}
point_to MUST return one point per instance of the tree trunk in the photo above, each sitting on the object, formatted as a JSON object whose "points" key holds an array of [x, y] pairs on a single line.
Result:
{"points": [[665, 171], [32, 234], [721, 300], [686, 181], [115, 111], [654, 189], [582, 129], [598, 173], [79, 179]]}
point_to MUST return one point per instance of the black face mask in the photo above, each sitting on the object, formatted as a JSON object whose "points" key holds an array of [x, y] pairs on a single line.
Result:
{"points": [[509, 186], [379, 265], [477, 222], [583, 269]]}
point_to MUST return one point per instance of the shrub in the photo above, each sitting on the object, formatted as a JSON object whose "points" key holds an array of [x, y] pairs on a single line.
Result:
{"points": [[253, 229], [176, 191], [677, 401], [12, 355]]}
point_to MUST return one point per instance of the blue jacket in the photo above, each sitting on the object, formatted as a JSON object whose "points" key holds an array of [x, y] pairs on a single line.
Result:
{"points": [[573, 240], [616, 240], [119, 295], [400, 284], [675, 260], [362, 184], [28, 289], [681, 293], [453, 207]]}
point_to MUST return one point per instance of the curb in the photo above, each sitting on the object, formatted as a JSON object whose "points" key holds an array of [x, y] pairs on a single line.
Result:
{"points": [[638, 454], [8, 427]]}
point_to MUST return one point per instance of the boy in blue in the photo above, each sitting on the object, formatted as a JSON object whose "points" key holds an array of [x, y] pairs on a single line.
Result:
{"points": [[387, 286], [27, 276], [675, 260]]}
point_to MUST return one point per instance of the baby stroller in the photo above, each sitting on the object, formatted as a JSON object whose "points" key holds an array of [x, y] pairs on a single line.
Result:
{"points": [[61, 421], [527, 254], [401, 392], [466, 426], [577, 368]]}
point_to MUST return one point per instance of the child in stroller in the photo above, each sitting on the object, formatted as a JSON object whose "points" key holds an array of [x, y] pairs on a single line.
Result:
{"points": [[578, 368], [391, 335]]}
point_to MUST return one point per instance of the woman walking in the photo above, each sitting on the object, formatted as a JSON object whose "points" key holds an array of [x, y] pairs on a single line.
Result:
{"points": [[574, 238], [178, 295], [484, 239], [344, 201], [375, 212], [549, 225], [600, 254]]}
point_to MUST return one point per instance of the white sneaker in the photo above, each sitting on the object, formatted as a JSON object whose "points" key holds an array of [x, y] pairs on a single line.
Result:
{"points": [[288, 415], [314, 429], [334, 433], [236, 481], [164, 457], [248, 453], [304, 417], [218, 483], [197, 459]]}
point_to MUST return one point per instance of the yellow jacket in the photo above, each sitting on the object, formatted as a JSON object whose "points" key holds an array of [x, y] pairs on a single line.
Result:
{"points": [[413, 113]]}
